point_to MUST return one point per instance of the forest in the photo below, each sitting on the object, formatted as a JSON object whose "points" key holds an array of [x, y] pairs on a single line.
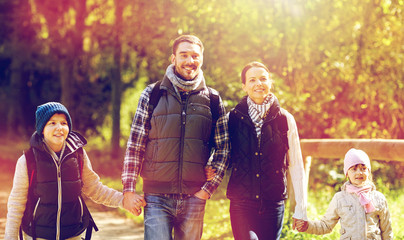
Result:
{"points": [[337, 65]]}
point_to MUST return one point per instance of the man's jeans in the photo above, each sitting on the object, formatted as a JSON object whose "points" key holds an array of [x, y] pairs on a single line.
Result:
{"points": [[255, 219], [165, 212]]}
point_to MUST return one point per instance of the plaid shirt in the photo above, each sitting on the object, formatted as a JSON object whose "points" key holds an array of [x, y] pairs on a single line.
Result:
{"points": [[136, 146]]}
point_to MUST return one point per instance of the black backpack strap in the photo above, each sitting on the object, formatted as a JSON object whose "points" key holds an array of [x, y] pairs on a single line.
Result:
{"points": [[80, 153], [153, 101], [31, 171], [214, 108], [91, 222]]}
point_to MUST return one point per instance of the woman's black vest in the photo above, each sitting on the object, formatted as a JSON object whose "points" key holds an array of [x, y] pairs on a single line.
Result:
{"points": [[47, 182], [258, 169]]}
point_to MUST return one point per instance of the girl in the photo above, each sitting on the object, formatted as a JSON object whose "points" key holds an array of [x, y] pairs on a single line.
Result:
{"points": [[361, 210], [49, 179], [264, 147]]}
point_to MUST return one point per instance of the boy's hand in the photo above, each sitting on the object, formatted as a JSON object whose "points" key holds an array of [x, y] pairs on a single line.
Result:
{"points": [[210, 173], [133, 202], [300, 225]]}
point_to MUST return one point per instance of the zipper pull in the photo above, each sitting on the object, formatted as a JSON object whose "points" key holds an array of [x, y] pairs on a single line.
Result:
{"points": [[183, 117]]}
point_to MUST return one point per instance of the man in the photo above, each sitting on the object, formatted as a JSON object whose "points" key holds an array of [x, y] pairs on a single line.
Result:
{"points": [[170, 149]]}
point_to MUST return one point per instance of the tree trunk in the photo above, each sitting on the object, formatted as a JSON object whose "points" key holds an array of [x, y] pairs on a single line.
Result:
{"points": [[116, 81]]}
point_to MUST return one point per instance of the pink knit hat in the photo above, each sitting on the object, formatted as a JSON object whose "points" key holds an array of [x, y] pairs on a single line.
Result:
{"points": [[355, 156]]}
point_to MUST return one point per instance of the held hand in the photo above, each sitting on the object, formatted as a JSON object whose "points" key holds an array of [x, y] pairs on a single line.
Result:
{"points": [[202, 194], [210, 173], [300, 225], [133, 202]]}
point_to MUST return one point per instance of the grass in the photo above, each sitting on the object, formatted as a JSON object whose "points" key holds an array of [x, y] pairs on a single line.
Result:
{"points": [[217, 218]]}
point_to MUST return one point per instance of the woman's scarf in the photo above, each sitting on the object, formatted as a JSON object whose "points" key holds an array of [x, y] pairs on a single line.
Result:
{"points": [[257, 112], [363, 194], [187, 85]]}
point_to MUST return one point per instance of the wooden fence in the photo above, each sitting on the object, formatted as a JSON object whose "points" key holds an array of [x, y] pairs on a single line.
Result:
{"points": [[377, 149]]}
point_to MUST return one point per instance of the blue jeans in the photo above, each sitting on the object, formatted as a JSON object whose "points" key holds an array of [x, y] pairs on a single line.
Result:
{"points": [[165, 213], [255, 219]]}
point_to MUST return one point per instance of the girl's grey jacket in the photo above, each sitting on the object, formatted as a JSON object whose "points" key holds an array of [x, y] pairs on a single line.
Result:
{"points": [[92, 188], [356, 224]]}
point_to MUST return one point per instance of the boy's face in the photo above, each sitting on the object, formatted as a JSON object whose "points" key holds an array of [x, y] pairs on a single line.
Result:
{"points": [[55, 131], [358, 175]]}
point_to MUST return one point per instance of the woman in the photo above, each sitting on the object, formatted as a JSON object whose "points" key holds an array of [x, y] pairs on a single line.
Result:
{"points": [[264, 146]]}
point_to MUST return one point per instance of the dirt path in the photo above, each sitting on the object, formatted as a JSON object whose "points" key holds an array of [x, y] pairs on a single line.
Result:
{"points": [[111, 224]]}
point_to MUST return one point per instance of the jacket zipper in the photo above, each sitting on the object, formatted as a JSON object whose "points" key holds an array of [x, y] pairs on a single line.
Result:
{"points": [[59, 177], [183, 122]]}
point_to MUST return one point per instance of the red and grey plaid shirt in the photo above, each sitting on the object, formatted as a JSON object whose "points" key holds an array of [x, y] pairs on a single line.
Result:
{"points": [[136, 146]]}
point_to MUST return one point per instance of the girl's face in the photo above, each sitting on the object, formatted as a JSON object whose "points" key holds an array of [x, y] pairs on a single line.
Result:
{"points": [[55, 131], [358, 175], [257, 84]]}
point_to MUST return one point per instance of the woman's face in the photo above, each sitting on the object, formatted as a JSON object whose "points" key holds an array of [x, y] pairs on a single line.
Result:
{"points": [[257, 84], [55, 131], [358, 175]]}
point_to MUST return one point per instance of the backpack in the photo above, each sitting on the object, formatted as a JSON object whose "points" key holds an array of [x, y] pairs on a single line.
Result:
{"points": [[214, 108], [31, 169]]}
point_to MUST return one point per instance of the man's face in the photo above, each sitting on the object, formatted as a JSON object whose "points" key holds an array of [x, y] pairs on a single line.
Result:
{"points": [[188, 60]]}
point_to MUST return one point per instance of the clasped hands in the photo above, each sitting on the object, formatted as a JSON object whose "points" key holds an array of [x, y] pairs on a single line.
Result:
{"points": [[133, 202], [300, 225]]}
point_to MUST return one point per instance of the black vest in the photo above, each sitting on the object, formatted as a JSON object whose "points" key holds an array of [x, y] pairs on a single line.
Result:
{"points": [[43, 207], [258, 170]]}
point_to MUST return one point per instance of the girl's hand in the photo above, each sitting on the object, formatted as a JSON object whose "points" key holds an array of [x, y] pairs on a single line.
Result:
{"points": [[210, 173]]}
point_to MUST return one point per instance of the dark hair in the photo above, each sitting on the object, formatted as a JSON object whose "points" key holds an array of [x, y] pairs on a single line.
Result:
{"points": [[187, 38], [251, 65]]}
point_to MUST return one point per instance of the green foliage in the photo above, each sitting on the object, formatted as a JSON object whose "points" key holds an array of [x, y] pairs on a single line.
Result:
{"points": [[217, 218], [336, 64]]}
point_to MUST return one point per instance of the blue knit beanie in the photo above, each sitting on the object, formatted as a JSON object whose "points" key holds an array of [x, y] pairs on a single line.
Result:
{"points": [[45, 111]]}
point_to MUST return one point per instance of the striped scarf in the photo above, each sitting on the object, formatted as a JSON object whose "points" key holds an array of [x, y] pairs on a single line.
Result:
{"points": [[257, 112], [187, 85]]}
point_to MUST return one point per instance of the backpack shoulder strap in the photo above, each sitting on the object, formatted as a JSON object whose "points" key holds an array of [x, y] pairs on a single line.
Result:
{"points": [[31, 166], [214, 108], [214, 104], [80, 153], [31, 171], [153, 101]]}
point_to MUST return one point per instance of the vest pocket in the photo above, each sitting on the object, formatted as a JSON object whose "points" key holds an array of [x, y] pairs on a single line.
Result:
{"points": [[36, 207], [81, 209]]}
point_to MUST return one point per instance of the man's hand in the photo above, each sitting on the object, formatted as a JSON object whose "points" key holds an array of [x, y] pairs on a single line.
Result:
{"points": [[300, 225], [133, 202], [202, 194], [210, 173]]}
